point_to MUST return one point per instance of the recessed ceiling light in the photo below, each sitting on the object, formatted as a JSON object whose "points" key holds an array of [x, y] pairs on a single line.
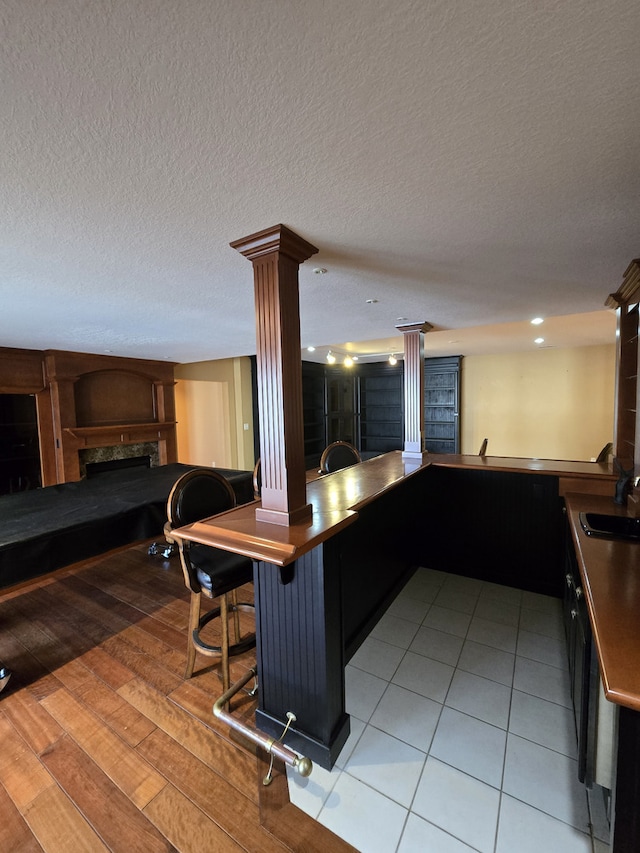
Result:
{"points": [[311, 349], [319, 270], [371, 301], [539, 341], [536, 321]]}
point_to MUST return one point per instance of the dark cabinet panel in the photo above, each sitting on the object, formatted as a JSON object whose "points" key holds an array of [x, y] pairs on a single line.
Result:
{"points": [[501, 527], [583, 668], [313, 405], [380, 407], [341, 406], [314, 414], [442, 404], [364, 405]]}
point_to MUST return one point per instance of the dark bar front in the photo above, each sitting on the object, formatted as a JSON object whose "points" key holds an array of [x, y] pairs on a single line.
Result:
{"points": [[300, 655]]}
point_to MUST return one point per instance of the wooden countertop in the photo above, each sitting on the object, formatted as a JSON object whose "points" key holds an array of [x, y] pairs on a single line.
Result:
{"points": [[610, 571], [335, 498], [557, 467]]}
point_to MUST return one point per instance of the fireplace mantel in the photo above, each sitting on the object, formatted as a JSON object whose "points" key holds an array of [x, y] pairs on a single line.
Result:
{"points": [[103, 436], [108, 401]]}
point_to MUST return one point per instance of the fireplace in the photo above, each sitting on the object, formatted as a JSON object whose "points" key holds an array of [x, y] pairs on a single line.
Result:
{"points": [[94, 469], [97, 460]]}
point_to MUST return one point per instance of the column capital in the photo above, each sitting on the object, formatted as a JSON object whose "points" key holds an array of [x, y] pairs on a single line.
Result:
{"points": [[415, 327], [278, 238]]}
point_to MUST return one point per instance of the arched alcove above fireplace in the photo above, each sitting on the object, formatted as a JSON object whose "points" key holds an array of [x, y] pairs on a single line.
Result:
{"points": [[109, 402]]}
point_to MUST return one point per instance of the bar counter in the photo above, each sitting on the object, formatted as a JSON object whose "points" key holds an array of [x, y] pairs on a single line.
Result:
{"points": [[322, 585], [577, 476], [336, 499], [610, 572], [610, 575], [522, 464]]}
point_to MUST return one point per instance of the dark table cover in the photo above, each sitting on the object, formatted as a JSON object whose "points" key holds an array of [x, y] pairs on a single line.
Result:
{"points": [[45, 529]]}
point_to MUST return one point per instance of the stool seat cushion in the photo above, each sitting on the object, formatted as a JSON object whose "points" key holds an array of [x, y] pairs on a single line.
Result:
{"points": [[220, 571]]}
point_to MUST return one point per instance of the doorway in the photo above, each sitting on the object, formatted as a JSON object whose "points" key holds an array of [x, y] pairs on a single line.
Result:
{"points": [[20, 468]]}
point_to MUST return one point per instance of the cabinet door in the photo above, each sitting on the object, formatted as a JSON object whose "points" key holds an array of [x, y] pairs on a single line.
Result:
{"points": [[579, 647], [380, 408], [442, 404], [341, 390], [313, 399]]}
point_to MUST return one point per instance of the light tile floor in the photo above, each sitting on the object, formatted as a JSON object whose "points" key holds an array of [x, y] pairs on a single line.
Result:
{"points": [[462, 734]]}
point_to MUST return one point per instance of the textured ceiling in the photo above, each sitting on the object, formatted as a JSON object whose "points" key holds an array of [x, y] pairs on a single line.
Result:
{"points": [[468, 164]]}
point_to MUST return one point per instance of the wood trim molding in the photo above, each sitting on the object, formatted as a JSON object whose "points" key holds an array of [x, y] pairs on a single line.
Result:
{"points": [[117, 433], [276, 254], [629, 290], [21, 371], [278, 239]]}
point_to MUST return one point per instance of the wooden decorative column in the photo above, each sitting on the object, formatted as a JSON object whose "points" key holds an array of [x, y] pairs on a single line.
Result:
{"points": [[414, 388], [61, 387], [627, 417], [276, 254]]}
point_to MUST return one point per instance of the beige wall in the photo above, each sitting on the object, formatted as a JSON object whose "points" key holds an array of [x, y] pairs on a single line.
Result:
{"points": [[203, 433], [213, 405], [549, 404]]}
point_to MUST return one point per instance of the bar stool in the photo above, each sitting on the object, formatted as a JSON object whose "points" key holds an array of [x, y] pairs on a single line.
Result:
{"points": [[212, 572], [257, 480], [339, 454]]}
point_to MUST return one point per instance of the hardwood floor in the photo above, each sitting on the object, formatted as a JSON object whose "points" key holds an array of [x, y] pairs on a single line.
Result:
{"points": [[103, 744]]}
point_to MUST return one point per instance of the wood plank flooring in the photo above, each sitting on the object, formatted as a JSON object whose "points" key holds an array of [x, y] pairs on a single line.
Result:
{"points": [[103, 744]]}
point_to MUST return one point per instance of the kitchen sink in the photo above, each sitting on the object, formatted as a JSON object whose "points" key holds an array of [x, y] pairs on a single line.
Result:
{"points": [[615, 526]]}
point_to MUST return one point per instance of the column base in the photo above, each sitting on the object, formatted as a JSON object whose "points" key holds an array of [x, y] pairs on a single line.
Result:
{"points": [[284, 519]]}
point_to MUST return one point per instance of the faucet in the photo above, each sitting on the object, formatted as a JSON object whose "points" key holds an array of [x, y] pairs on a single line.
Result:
{"points": [[622, 483]]}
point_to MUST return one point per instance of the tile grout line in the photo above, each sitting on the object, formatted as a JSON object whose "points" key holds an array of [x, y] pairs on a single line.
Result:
{"points": [[456, 668]]}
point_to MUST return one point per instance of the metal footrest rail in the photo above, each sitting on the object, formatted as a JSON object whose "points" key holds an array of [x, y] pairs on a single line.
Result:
{"points": [[272, 746]]}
